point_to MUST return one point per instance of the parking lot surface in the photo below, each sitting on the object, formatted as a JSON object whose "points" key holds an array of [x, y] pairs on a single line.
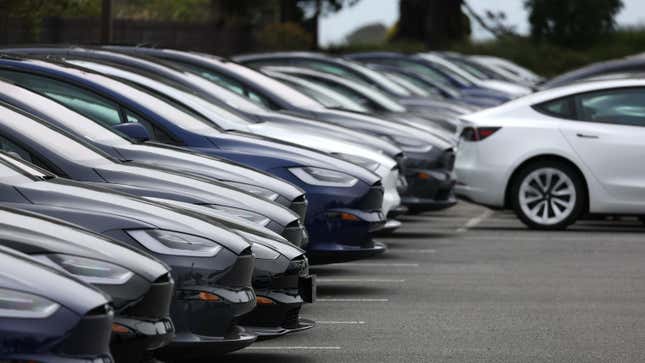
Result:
{"points": [[472, 285]]}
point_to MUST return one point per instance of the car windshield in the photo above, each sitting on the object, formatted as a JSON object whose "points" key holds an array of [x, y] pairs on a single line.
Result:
{"points": [[358, 92], [14, 171], [376, 78], [61, 115], [326, 96], [218, 115], [55, 142]]}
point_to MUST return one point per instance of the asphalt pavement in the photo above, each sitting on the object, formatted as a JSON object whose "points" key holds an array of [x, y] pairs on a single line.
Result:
{"points": [[471, 285]]}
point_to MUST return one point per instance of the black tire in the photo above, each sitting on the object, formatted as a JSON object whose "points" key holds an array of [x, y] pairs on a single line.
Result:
{"points": [[581, 196]]}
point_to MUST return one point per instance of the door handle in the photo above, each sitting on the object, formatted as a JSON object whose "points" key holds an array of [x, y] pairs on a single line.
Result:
{"points": [[587, 136]]}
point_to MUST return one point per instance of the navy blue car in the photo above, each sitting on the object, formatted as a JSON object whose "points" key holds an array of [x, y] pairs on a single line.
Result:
{"points": [[68, 324], [344, 199]]}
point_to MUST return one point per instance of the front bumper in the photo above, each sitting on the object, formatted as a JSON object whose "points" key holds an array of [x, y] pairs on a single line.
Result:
{"points": [[143, 337], [191, 346], [345, 253], [209, 327], [278, 318], [429, 190], [147, 324]]}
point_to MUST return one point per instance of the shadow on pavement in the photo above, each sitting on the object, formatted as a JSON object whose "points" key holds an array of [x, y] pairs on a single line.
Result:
{"points": [[251, 357]]}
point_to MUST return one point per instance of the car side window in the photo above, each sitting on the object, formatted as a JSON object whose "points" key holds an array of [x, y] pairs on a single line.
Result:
{"points": [[624, 106], [80, 100], [561, 107]]}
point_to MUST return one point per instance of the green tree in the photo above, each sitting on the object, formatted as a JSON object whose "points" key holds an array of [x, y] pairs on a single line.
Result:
{"points": [[571, 23], [436, 23]]}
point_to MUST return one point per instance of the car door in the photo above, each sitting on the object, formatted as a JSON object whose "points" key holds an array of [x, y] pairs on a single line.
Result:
{"points": [[608, 133]]}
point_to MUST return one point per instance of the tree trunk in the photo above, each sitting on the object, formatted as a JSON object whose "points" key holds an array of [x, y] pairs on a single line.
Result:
{"points": [[436, 23]]}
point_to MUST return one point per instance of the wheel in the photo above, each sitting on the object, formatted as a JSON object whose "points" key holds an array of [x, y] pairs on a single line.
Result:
{"points": [[548, 195]]}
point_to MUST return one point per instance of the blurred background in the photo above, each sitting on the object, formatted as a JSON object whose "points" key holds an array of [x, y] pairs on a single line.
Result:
{"points": [[547, 36]]}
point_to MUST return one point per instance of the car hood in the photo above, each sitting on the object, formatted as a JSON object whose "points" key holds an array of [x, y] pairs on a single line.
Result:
{"points": [[23, 273], [147, 181], [506, 87], [190, 162], [55, 236], [385, 127], [321, 141], [291, 155], [76, 195], [335, 131], [252, 232]]}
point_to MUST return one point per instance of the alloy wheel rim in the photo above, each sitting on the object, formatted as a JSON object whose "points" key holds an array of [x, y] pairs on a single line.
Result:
{"points": [[547, 196]]}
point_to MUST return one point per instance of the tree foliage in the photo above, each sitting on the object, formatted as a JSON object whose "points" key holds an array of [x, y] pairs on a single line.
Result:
{"points": [[436, 23], [571, 23]]}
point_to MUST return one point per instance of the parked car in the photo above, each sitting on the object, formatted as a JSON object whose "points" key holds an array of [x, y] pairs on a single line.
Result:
{"points": [[345, 200], [310, 133], [161, 155], [280, 274], [508, 68], [71, 323], [141, 287], [551, 156], [441, 87], [203, 309], [344, 68], [443, 123], [427, 161], [433, 70], [633, 64]]}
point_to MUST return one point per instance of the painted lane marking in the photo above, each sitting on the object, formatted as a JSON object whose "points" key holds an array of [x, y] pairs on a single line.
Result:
{"points": [[473, 222]]}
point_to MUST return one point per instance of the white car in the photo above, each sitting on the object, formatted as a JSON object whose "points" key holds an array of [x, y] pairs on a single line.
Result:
{"points": [[557, 154]]}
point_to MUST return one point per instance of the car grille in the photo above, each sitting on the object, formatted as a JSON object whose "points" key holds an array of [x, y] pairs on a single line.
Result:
{"points": [[91, 336], [373, 200], [241, 273], [299, 205]]}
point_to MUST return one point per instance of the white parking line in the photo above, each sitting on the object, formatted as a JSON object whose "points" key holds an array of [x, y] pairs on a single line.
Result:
{"points": [[352, 300], [255, 347], [475, 221], [358, 280], [374, 264], [414, 251], [356, 322]]}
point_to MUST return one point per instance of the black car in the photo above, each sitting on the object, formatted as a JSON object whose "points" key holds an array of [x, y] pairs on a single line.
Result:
{"points": [[141, 287], [345, 200], [66, 155], [427, 162], [121, 217], [212, 266], [70, 323]]}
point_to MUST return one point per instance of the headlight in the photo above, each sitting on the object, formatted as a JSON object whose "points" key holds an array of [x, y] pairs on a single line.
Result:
{"points": [[15, 304], [358, 160], [261, 192], [263, 252], [410, 145], [324, 177], [241, 213], [90, 270], [175, 243]]}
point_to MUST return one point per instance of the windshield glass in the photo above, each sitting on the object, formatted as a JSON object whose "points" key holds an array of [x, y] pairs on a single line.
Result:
{"points": [[327, 97], [218, 115], [57, 143], [379, 79]]}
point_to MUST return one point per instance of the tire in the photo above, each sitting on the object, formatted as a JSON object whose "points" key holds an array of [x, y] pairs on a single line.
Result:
{"points": [[549, 183]]}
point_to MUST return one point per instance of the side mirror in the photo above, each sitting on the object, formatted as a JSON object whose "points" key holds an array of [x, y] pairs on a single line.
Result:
{"points": [[133, 130]]}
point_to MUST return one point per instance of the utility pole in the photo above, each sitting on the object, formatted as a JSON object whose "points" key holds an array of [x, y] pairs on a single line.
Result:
{"points": [[107, 21]]}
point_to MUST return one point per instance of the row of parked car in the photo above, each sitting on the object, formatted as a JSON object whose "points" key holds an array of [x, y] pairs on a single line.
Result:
{"points": [[167, 204]]}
